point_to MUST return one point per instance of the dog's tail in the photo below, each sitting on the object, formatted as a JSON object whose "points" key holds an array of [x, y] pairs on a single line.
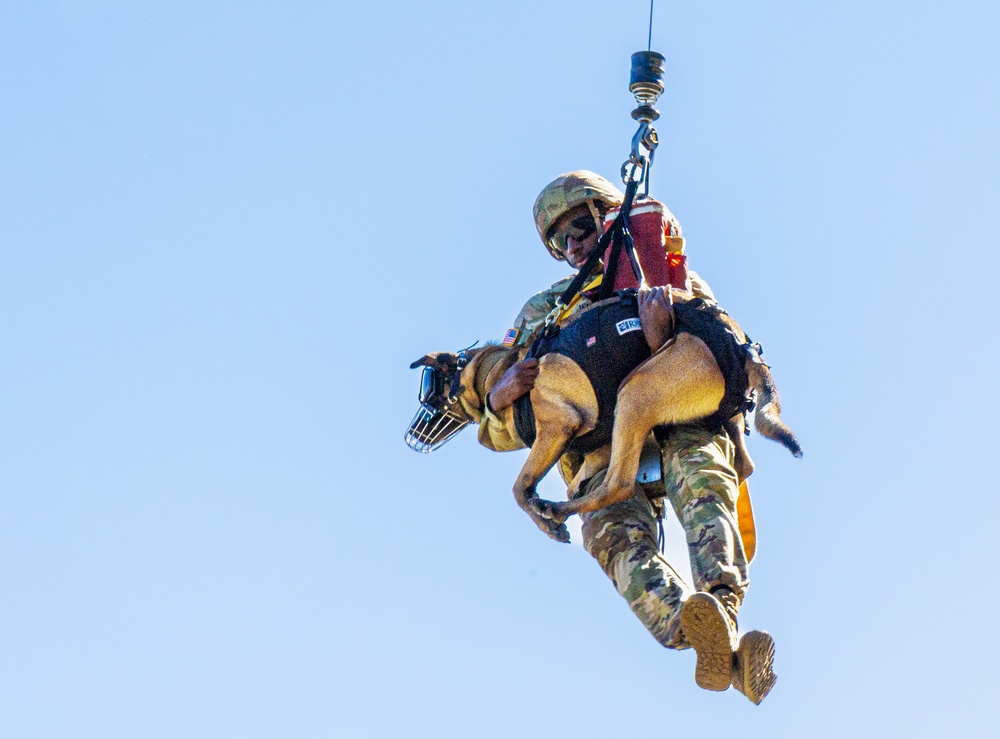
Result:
{"points": [[767, 418]]}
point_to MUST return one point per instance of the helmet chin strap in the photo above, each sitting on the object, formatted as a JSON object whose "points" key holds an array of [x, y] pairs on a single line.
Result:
{"points": [[596, 215]]}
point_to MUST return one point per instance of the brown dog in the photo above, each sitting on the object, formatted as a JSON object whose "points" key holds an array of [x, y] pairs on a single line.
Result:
{"points": [[680, 383]]}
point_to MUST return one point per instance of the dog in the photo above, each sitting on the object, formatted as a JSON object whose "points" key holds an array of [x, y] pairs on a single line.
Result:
{"points": [[681, 382]]}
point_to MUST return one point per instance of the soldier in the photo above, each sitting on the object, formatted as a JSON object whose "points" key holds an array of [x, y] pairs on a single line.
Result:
{"points": [[698, 470]]}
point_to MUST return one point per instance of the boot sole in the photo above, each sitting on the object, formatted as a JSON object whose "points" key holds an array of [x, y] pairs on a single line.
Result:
{"points": [[706, 628], [756, 658]]}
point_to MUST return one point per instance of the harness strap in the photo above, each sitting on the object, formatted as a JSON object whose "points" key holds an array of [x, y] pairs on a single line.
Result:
{"points": [[524, 419], [612, 234], [567, 310], [622, 237], [617, 234]]}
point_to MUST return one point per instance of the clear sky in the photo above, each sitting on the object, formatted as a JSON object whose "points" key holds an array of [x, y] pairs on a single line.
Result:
{"points": [[226, 228]]}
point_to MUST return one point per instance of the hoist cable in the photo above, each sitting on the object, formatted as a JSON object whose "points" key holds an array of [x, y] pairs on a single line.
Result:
{"points": [[649, 45]]}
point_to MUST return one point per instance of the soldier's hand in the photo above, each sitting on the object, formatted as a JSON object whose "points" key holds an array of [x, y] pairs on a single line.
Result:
{"points": [[656, 316], [516, 381]]}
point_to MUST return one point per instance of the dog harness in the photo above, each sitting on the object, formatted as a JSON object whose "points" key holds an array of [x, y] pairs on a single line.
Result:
{"points": [[607, 342], [700, 317]]}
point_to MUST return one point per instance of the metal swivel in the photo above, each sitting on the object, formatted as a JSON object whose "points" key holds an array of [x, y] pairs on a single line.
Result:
{"points": [[646, 83]]}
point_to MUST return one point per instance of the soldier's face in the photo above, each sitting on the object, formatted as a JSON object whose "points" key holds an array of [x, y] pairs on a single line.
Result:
{"points": [[580, 234]]}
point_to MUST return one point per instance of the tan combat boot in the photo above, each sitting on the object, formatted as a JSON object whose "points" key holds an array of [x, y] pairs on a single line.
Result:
{"points": [[711, 632], [753, 665]]}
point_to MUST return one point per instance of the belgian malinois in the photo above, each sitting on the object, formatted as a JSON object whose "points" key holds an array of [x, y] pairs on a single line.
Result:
{"points": [[680, 383]]}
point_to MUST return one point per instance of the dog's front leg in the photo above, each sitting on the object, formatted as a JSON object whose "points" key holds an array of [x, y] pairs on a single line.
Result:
{"points": [[565, 406], [547, 449], [556, 422]]}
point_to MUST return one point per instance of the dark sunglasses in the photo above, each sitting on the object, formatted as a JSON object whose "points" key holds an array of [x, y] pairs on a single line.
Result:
{"points": [[582, 227]]}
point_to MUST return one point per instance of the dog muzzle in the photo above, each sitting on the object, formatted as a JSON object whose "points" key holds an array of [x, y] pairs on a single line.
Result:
{"points": [[431, 428]]}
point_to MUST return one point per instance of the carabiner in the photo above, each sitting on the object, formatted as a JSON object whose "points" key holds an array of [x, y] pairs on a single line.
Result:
{"points": [[636, 165], [639, 139], [554, 314]]}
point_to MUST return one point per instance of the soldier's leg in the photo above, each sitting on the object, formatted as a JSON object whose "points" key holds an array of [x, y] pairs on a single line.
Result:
{"points": [[623, 539], [702, 486]]}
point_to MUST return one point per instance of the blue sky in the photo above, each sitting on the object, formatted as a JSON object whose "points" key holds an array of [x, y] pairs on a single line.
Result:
{"points": [[227, 228]]}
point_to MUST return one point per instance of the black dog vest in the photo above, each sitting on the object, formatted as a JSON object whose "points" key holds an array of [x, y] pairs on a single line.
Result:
{"points": [[607, 342]]}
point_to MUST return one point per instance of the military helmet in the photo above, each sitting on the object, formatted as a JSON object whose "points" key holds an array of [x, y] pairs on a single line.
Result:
{"points": [[566, 192]]}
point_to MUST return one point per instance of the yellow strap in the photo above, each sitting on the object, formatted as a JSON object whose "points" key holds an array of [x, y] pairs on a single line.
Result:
{"points": [[596, 282]]}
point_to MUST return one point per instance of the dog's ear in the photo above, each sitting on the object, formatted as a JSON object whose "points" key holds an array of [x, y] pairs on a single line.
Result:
{"points": [[444, 360]]}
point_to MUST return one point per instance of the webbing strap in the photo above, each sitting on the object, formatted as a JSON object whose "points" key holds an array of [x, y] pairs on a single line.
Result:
{"points": [[618, 227], [524, 418], [622, 238]]}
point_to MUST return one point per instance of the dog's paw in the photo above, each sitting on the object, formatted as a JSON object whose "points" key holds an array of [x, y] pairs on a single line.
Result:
{"points": [[541, 514], [549, 510], [539, 508], [558, 532]]}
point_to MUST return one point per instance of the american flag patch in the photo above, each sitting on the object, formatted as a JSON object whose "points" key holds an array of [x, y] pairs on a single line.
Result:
{"points": [[591, 341], [510, 337]]}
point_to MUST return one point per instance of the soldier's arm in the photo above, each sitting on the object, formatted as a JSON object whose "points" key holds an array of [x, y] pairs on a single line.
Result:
{"points": [[494, 430], [534, 312]]}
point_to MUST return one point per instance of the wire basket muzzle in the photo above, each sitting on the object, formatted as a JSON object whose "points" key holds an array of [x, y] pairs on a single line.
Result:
{"points": [[430, 428]]}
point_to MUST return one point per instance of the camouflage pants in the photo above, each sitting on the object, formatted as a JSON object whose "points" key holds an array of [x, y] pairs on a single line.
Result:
{"points": [[701, 486]]}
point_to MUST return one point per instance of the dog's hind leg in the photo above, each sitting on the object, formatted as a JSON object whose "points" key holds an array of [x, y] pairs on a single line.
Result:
{"points": [[592, 464], [619, 483], [680, 384]]}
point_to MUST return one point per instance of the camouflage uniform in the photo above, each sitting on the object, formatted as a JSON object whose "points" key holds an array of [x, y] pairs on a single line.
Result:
{"points": [[700, 484], [699, 480]]}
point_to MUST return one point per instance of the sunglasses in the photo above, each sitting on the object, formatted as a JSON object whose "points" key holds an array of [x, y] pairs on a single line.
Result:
{"points": [[582, 227], [579, 229]]}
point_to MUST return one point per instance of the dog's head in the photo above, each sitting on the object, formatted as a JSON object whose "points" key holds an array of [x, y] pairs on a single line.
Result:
{"points": [[446, 407], [441, 383]]}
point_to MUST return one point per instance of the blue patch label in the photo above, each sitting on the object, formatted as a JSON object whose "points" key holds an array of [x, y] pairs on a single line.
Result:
{"points": [[629, 324]]}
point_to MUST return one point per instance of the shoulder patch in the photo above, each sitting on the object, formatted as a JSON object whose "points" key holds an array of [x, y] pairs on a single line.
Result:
{"points": [[510, 338]]}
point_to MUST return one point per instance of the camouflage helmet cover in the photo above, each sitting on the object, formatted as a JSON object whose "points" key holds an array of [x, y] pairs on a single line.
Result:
{"points": [[566, 192]]}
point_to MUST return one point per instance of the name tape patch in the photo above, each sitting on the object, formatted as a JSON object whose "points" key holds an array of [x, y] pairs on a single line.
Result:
{"points": [[629, 324]]}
